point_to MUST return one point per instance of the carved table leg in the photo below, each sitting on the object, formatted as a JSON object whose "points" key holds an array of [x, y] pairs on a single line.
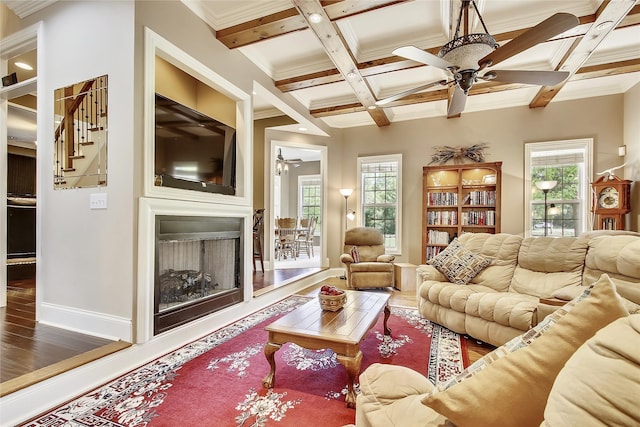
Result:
{"points": [[353, 368], [270, 351], [387, 312]]}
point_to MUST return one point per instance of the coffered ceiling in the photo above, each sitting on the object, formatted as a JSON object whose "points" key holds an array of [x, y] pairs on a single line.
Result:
{"points": [[342, 65]]}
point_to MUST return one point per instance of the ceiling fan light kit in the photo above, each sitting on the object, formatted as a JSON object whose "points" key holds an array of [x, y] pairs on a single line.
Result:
{"points": [[466, 55]]}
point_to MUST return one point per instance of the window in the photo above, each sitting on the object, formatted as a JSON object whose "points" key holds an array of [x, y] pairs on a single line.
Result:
{"points": [[380, 181], [567, 206], [310, 197]]}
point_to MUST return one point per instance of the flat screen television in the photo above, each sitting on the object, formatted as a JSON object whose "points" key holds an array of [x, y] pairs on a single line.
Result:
{"points": [[192, 150]]}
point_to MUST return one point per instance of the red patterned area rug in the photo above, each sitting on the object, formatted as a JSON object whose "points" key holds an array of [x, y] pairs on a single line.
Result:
{"points": [[217, 380]]}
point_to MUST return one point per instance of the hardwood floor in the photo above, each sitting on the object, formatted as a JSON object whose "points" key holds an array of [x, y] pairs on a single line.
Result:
{"points": [[272, 279], [33, 352]]}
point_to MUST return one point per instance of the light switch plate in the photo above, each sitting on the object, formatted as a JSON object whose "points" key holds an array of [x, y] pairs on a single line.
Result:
{"points": [[98, 201]]}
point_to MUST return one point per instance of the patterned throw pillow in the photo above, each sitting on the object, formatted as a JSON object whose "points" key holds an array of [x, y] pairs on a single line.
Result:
{"points": [[355, 254], [459, 264]]}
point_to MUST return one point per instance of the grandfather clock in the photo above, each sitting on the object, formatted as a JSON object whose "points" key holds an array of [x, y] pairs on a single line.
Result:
{"points": [[611, 202]]}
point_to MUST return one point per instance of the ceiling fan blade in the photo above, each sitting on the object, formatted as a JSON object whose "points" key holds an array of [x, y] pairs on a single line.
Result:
{"points": [[542, 78], [419, 55], [550, 27], [401, 95], [457, 103]]}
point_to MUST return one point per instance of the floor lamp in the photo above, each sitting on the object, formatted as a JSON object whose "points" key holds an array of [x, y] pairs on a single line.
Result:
{"points": [[346, 192], [545, 186]]}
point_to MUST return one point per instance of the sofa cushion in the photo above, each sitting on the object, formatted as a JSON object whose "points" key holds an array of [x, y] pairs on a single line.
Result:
{"points": [[504, 308], [528, 373], [390, 396], [502, 249], [619, 257], [546, 264], [458, 264], [600, 383]]}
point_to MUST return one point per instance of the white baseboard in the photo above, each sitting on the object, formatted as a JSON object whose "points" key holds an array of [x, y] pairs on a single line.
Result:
{"points": [[86, 322]]}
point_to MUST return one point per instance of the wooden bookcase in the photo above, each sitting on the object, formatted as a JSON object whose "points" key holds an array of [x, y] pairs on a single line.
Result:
{"points": [[459, 199]]}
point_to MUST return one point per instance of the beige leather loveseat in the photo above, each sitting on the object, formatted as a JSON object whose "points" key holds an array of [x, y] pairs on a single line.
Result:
{"points": [[524, 281]]}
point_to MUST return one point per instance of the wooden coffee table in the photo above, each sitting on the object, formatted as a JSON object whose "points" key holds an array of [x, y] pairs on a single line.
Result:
{"points": [[341, 331]]}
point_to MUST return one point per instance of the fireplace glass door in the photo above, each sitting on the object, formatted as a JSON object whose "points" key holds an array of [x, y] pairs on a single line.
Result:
{"points": [[198, 268]]}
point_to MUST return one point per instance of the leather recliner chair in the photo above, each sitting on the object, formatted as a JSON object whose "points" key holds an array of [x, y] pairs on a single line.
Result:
{"points": [[373, 269]]}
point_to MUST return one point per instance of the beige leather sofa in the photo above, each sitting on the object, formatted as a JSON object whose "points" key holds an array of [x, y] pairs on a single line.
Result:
{"points": [[525, 281], [579, 366]]}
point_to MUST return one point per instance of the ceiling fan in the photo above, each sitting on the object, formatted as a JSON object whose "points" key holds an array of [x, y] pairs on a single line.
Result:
{"points": [[282, 164], [466, 56]]}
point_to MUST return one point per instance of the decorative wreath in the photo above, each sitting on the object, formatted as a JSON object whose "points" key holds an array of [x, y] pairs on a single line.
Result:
{"points": [[444, 153]]}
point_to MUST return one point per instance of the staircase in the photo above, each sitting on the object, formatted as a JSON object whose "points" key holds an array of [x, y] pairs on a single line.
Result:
{"points": [[80, 147]]}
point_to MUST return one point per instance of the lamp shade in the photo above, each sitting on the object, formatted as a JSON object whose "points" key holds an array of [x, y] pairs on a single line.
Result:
{"points": [[346, 192], [546, 185]]}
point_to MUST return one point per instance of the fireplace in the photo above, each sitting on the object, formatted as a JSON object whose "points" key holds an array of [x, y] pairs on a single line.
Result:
{"points": [[198, 268]]}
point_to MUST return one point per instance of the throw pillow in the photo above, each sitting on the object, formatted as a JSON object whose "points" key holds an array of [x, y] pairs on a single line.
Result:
{"points": [[521, 341], [600, 383], [459, 264], [355, 254], [513, 390]]}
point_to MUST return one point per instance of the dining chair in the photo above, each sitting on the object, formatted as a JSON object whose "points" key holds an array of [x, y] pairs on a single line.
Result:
{"points": [[286, 240], [258, 221], [304, 239]]}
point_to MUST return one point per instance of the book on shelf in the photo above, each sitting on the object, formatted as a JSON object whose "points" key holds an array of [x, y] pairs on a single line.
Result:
{"points": [[436, 237], [487, 198], [432, 251], [479, 218], [447, 198], [442, 217]]}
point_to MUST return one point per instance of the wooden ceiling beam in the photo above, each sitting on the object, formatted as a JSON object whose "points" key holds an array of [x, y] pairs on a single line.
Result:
{"points": [[611, 69], [591, 72], [289, 20], [420, 97], [262, 28], [612, 12], [395, 63], [336, 48]]}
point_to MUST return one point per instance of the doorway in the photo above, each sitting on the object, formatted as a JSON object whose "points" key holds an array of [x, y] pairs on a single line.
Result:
{"points": [[18, 106], [297, 187]]}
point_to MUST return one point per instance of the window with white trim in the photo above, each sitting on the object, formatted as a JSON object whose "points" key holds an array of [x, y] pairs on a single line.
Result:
{"points": [[380, 183], [567, 207], [310, 198]]}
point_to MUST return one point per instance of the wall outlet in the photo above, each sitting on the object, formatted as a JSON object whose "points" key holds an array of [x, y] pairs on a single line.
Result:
{"points": [[98, 201]]}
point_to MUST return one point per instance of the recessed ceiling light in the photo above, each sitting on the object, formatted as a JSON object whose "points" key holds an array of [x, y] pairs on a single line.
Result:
{"points": [[315, 18], [372, 107], [302, 129], [24, 66], [352, 74]]}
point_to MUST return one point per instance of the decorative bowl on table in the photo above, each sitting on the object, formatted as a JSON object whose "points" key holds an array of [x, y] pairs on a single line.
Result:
{"points": [[331, 298]]}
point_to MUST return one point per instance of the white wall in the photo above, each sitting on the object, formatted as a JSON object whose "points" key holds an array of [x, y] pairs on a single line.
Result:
{"points": [[85, 257], [506, 131]]}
